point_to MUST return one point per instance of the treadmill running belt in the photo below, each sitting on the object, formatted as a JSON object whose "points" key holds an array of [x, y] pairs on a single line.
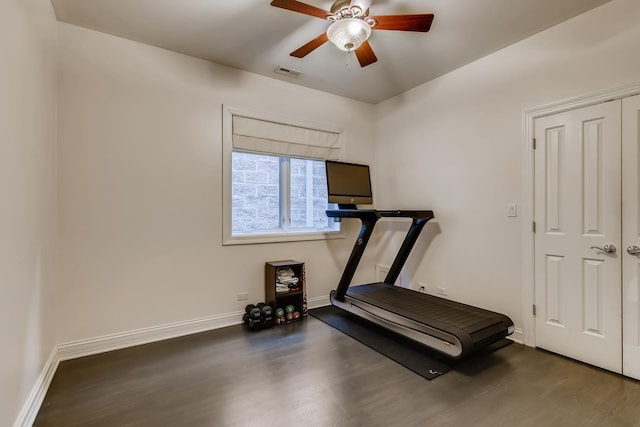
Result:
{"points": [[475, 327]]}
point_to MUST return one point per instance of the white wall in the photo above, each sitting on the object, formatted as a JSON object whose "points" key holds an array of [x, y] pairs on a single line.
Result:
{"points": [[454, 145], [140, 185], [27, 197], [139, 176]]}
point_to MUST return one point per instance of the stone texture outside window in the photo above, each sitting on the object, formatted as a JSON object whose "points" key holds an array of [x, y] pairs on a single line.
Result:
{"points": [[256, 193]]}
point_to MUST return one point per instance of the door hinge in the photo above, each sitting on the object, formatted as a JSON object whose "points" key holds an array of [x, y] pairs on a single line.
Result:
{"points": [[534, 310], [534, 143], [533, 226]]}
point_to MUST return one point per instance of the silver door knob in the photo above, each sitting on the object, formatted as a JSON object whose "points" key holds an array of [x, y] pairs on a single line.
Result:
{"points": [[633, 250], [608, 248]]}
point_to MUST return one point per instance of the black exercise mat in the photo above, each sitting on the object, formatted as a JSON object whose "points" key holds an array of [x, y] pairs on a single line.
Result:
{"points": [[420, 360]]}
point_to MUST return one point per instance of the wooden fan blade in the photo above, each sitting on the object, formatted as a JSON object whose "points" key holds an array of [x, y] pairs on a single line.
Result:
{"points": [[420, 23], [365, 54], [300, 7], [311, 46]]}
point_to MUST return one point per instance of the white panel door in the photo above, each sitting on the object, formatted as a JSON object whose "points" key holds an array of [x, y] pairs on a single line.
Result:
{"points": [[577, 210], [631, 233]]}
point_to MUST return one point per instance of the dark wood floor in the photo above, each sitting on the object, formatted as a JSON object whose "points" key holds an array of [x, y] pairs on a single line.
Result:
{"points": [[311, 374]]}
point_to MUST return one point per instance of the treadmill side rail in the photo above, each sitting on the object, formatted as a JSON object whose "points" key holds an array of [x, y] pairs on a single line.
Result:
{"points": [[416, 331], [368, 219]]}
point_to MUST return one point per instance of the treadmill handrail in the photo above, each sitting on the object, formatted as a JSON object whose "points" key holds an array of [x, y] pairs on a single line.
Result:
{"points": [[367, 213], [419, 214], [369, 218], [354, 213]]}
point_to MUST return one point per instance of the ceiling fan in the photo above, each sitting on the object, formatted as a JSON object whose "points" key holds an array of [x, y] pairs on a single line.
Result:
{"points": [[351, 26]]}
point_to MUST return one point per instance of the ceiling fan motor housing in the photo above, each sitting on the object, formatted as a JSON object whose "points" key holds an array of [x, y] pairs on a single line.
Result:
{"points": [[342, 9]]}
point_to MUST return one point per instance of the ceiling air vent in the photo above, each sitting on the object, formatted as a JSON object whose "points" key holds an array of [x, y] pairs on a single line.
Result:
{"points": [[294, 74]]}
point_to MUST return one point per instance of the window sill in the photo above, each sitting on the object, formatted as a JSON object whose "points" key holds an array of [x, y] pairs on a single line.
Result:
{"points": [[252, 239]]}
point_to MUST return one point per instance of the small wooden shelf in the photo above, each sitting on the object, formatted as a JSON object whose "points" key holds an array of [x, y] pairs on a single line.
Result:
{"points": [[280, 294], [297, 298]]}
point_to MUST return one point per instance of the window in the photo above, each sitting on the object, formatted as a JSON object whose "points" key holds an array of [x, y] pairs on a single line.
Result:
{"points": [[274, 180], [272, 194]]}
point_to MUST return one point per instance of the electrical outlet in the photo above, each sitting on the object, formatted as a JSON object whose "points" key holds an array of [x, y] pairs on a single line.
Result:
{"points": [[442, 291], [242, 296], [381, 272]]}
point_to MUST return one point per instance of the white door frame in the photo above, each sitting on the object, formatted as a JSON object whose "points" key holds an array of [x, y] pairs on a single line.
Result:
{"points": [[527, 191]]}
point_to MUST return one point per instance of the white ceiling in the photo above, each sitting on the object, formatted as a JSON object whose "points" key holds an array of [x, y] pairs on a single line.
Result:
{"points": [[254, 36]]}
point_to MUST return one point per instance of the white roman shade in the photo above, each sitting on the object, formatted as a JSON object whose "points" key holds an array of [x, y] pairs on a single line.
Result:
{"points": [[261, 136]]}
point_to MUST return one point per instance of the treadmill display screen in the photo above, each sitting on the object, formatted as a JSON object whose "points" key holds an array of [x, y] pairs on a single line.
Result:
{"points": [[348, 183]]}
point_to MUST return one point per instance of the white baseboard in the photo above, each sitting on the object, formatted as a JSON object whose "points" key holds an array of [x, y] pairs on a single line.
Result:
{"points": [[29, 411], [316, 302], [81, 348], [117, 341], [517, 336]]}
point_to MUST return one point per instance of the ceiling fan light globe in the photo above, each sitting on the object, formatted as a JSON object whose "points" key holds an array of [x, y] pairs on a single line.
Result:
{"points": [[348, 34]]}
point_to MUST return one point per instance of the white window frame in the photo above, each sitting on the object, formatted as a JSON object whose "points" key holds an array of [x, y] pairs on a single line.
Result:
{"points": [[227, 198]]}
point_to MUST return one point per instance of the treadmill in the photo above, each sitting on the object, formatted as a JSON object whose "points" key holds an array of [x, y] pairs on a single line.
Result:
{"points": [[451, 328]]}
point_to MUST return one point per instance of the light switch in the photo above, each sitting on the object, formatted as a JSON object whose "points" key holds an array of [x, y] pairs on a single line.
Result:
{"points": [[512, 210]]}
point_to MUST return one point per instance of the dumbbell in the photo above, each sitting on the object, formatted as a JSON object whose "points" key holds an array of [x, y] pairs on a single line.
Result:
{"points": [[267, 316], [247, 310], [255, 319]]}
